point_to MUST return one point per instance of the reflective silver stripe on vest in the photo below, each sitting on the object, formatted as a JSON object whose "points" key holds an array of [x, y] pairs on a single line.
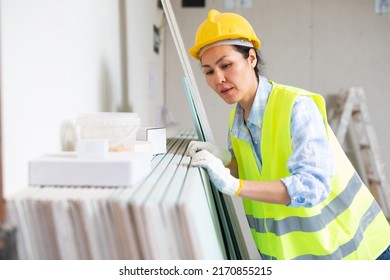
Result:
{"points": [[310, 224], [347, 248]]}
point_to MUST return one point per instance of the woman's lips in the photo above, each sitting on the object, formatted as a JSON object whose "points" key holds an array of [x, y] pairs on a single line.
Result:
{"points": [[225, 90]]}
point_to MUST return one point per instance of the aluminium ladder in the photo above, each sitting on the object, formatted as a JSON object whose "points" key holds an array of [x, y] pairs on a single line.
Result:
{"points": [[355, 132]]}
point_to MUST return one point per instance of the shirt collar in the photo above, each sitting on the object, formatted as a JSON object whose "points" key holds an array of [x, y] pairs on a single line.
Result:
{"points": [[258, 107]]}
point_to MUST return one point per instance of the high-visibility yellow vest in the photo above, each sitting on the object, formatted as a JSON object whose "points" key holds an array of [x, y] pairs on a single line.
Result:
{"points": [[349, 224]]}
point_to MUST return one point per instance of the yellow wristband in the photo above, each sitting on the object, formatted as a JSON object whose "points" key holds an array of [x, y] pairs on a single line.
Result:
{"points": [[239, 188], [227, 164]]}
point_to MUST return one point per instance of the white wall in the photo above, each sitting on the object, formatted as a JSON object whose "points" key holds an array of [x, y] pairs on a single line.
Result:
{"points": [[145, 67], [64, 57], [322, 46]]}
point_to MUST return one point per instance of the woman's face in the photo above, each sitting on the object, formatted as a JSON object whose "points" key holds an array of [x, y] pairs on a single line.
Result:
{"points": [[229, 74]]}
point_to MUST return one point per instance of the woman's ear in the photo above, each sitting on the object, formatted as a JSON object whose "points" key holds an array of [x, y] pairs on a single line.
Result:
{"points": [[252, 57]]}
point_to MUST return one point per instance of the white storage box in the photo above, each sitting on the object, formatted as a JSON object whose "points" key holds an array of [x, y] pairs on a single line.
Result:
{"points": [[156, 135], [92, 148], [66, 169], [120, 129]]}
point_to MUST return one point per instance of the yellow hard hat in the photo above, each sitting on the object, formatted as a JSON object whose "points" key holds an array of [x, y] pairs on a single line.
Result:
{"points": [[222, 26]]}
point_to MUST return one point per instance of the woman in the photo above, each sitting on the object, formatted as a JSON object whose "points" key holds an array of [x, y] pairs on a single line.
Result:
{"points": [[301, 195]]}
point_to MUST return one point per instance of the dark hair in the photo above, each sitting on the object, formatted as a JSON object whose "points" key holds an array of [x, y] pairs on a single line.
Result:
{"points": [[245, 53]]}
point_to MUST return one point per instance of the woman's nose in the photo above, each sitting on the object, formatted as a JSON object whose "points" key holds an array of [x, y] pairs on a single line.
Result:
{"points": [[220, 77]]}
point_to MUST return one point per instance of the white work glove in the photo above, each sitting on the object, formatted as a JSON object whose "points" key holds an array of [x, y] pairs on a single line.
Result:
{"points": [[219, 174], [196, 146]]}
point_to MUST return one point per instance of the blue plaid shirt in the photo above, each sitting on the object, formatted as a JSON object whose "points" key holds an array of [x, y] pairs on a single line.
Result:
{"points": [[311, 164]]}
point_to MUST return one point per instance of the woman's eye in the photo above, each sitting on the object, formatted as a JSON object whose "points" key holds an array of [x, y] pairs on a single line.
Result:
{"points": [[209, 72], [225, 66]]}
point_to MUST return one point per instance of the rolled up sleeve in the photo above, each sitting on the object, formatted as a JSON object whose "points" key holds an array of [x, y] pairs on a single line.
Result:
{"points": [[311, 164]]}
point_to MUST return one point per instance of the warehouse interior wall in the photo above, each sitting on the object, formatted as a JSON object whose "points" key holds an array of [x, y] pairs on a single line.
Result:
{"points": [[61, 58]]}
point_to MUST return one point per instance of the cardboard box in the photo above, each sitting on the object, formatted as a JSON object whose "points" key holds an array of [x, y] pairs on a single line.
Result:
{"points": [[156, 135], [66, 169]]}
